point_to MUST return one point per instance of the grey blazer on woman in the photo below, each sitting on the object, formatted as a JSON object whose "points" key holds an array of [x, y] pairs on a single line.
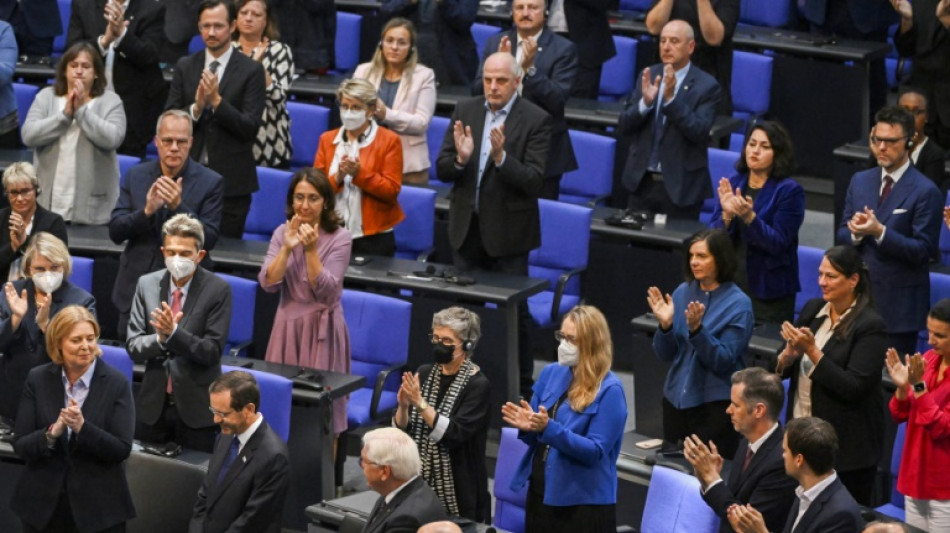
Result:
{"points": [[102, 125]]}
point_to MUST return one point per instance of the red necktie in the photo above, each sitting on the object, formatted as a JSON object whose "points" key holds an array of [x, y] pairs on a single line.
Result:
{"points": [[748, 459], [888, 184], [176, 308]]}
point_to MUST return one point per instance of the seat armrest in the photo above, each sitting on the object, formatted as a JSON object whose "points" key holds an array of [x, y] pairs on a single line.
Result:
{"points": [[378, 387], [559, 290]]}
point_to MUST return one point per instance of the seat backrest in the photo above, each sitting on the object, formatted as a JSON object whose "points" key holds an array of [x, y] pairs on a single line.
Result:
{"points": [[674, 505], [896, 454], [65, 11], [781, 414], [808, 260], [276, 396], [771, 13], [595, 173], [125, 163], [415, 233], [307, 123], [481, 33], [347, 40], [944, 243], [721, 165], [751, 82], [379, 332], [118, 358], [24, 94], [618, 76], [196, 44], [565, 241], [635, 5], [268, 204], [243, 300], [434, 135], [939, 287], [81, 276], [163, 491], [509, 504]]}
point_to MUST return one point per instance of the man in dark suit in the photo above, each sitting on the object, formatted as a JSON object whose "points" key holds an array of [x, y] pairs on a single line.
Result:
{"points": [[179, 324], [181, 24], [758, 475], [495, 159], [549, 70], [249, 472], [669, 117], [129, 39], [823, 503], [35, 24], [153, 192], [405, 501], [893, 216], [224, 92], [585, 23], [927, 156]]}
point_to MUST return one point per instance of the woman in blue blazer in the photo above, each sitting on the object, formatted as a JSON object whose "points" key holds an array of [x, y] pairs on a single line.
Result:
{"points": [[762, 209], [573, 428]]}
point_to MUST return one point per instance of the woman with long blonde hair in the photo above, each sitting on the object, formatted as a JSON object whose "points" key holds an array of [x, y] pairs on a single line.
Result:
{"points": [[573, 428]]}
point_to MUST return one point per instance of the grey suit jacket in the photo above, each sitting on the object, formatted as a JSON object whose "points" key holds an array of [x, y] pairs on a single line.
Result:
{"points": [[192, 355], [412, 507], [102, 125]]}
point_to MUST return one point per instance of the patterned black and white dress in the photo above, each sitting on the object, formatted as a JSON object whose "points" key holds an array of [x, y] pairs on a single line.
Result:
{"points": [[273, 148]]}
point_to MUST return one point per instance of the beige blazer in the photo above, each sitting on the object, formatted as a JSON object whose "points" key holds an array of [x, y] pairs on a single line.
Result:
{"points": [[410, 114]]}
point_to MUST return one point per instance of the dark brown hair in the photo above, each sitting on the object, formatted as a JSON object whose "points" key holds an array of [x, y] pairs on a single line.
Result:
{"points": [[330, 220], [61, 86], [270, 29]]}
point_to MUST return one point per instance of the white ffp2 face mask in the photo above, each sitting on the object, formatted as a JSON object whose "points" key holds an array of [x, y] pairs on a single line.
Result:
{"points": [[352, 119], [566, 354], [180, 267], [48, 282]]}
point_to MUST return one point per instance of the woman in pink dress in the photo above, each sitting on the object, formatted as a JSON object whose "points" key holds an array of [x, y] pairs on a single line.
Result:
{"points": [[306, 261]]}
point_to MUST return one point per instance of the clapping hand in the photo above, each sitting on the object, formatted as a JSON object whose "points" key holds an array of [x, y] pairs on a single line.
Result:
{"points": [[43, 303], [18, 303], [410, 388], [669, 82], [904, 375], [661, 305], [17, 231], [464, 143], [72, 416], [725, 196], [518, 416], [903, 8], [497, 137], [706, 461], [946, 216], [115, 25], [170, 191], [349, 166], [694, 315], [649, 89], [746, 519], [865, 223], [164, 321]]}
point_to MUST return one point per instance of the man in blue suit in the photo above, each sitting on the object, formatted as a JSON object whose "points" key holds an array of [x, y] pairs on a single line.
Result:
{"points": [[893, 216], [823, 503], [35, 23], [669, 117], [549, 69]]}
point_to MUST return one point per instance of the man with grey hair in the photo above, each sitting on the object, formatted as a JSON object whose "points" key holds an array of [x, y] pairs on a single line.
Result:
{"points": [[153, 192], [391, 465], [885, 527], [178, 327], [494, 155]]}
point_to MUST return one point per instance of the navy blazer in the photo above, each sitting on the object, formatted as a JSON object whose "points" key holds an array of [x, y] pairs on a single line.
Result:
{"points": [[24, 349], [867, 15], [41, 16], [685, 137], [201, 197], [89, 467], [772, 238], [251, 495], [229, 132], [899, 265], [43, 220], [549, 88], [764, 484], [833, 511]]}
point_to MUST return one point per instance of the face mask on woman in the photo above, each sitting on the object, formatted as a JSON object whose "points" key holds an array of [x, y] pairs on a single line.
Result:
{"points": [[48, 282], [566, 354], [352, 119], [443, 354]]}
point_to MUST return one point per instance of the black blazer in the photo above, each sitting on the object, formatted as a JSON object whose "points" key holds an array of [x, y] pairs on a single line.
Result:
{"points": [[41, 16], [251, 495], [24, 349], [764, 484], [192, 355], [845, 388], [181, 20], [930, 163], [588, 28], [833, 511], [89, 466], [509, 223], [229, 132], [135, 72], [412, 507], [201, 197], [43, 220], [549, 89]]}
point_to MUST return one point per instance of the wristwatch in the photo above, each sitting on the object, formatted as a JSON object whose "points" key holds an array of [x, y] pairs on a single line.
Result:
{"points": [[531, 71], [920, 387], [423, 405]]}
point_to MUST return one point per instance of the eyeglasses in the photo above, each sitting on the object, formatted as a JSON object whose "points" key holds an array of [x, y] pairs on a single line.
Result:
{"points": [[565, 337], [875, 140], [20, 192], [168, 142], [220, 414], [361, 462], [444, 341]]}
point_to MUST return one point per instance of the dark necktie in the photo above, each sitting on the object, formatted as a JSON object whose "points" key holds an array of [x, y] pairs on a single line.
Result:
{"points": [[213, 67], [888, 185], [748, 459], [232, 455]]}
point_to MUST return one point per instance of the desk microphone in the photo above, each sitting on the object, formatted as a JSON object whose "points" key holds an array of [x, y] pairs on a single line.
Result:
{"points": [[448, 276]]}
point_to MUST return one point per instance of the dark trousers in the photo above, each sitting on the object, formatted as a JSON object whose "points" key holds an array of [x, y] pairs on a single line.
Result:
{"points": [[709, 421], [234, 215], [170, 428], [540, 518], [379, 244], [651, 196], [551, 187], [587, 82], [62, 520], [472, 256]]}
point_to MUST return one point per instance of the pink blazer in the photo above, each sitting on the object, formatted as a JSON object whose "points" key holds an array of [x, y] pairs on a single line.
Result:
{"points": [[410, 114]]}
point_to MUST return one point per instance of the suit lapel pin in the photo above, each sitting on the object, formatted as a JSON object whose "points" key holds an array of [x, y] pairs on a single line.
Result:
{"points": [[244, 459], [685, 87]]}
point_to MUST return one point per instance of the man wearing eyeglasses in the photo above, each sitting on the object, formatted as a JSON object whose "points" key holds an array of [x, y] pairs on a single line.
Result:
{"points": [[893, 215], [153, 192]]}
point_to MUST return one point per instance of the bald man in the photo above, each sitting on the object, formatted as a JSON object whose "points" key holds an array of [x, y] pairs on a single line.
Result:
{"points": [[441, 527]]}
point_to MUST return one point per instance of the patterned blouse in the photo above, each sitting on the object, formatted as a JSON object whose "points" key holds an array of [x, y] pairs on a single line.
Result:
{"points": [[273, 148]]}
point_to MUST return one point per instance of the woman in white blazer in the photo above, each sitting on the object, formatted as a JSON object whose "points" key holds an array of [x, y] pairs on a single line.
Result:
{"points": [[406, 91], [74, 129]]}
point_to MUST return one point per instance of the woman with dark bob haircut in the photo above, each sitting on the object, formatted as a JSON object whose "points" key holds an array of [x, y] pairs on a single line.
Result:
{"points": [[74, 128], [306, 261], [834, 355], [762, 209], [703, 331]]}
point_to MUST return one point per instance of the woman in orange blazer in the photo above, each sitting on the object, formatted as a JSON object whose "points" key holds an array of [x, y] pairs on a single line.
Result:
{"points": [[364, 163]]}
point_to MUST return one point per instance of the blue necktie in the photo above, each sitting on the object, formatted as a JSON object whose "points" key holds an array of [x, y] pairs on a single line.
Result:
{"points": [[232, 455]]}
